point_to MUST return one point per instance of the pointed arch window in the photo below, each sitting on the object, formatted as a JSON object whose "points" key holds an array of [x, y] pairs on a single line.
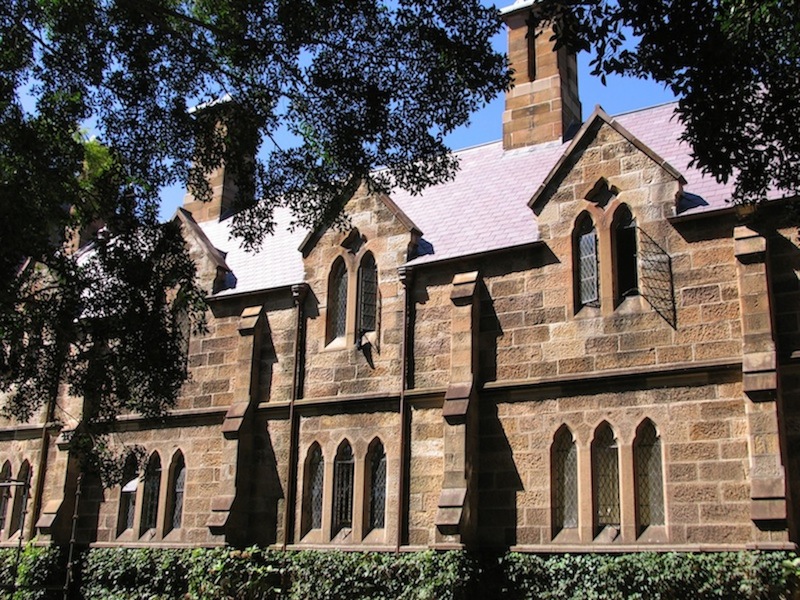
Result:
{"points": [[5, 494], [177, 485], [605, 479], [343, 474], [152, 484], [337, 300], [649, 484], [127, 496], [625, 248], [376, 469], [586, 269], [312, 489], [367, 295], [20, 498], [564, 458]]}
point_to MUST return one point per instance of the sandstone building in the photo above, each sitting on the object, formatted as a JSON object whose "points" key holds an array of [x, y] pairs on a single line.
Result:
{"points": [[576, 345]]}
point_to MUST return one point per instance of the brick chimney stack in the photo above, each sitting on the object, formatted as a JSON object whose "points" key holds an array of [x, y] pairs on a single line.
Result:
{"points": [[543, 105]]}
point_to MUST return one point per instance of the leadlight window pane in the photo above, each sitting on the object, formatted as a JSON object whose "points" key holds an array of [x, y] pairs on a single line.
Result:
{"points": [[377, 500], [565, 482], [649, 482], [316, 481], [588, 280], [605, 478], [343, 471], [5, 494], [152, 481], [367, 295], [337, 300], [178, 487]]}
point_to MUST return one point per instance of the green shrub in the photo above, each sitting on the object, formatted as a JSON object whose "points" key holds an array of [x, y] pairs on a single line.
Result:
{"points": [[258, 574], [646, 575], [39, 575]]}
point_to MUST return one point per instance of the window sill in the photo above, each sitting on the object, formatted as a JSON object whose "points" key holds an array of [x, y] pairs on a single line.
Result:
{"points": [[339, 343]]}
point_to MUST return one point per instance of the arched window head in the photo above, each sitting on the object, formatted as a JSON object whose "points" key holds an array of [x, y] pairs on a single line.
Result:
{"points": [[152, 485], [367, 295], [605, 480], [20, 498], [127, 496], [177, 486], [337, 300], [564, 491], [624, 244], [649, 484], [5, 495], [586, 268], [376, 476], [343, 472], [313, 479]]}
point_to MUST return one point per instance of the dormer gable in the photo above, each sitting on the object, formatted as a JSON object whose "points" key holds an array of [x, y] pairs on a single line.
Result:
{"points": [[596, 145], [357, 211]]}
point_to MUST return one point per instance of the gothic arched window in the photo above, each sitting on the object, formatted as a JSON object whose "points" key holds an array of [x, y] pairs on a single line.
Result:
{"points": [[337, 300], [605, 479], [586, 267], [376, 472], [5, 494], [20, 496], [314, 473], [564, 460], [626, 274], [649, 484], [367, 295], [343, 473], [127, 496], [152, 485], [177, 485]]}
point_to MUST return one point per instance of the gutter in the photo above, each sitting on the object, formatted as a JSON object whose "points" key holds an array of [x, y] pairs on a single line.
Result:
{"points": [[405, 276], [299, 293]]}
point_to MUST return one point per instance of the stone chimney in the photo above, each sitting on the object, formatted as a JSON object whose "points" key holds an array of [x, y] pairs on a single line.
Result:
{"points": [[231, 122], [223, 192], [543, 105]]}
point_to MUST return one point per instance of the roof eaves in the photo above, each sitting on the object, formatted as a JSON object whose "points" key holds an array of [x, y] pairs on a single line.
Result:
{"points": [[518, 5], [400, 215]]}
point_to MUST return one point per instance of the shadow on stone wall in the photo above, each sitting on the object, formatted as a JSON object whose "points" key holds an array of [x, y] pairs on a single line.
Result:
{"points": [[498, 483]]}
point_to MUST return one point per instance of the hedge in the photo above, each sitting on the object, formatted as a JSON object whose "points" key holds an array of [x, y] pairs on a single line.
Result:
{"points": [[161, 574], [256, 574], [39, 574]]}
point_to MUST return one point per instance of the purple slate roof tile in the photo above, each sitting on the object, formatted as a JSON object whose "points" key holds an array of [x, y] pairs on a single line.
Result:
{"points": [[484, 208], [276, 264]]}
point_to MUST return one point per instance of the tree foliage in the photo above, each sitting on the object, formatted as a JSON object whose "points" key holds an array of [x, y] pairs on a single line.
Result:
{"points": [[733, 64], [322, 91]]}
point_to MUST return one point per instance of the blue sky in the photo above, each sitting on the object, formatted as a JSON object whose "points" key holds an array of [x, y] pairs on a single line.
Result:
{"points": [[618, 96]]}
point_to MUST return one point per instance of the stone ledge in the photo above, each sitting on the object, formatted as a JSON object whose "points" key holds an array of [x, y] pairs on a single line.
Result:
{"points": [[590, 379]]}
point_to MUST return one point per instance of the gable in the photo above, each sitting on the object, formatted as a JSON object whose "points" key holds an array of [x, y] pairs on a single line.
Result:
{"points": [[603, 151], [363, 209]]}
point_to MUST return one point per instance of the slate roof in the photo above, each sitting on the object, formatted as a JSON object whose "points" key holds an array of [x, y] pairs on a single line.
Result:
{"points": [[278, 263], [484, 208]]}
